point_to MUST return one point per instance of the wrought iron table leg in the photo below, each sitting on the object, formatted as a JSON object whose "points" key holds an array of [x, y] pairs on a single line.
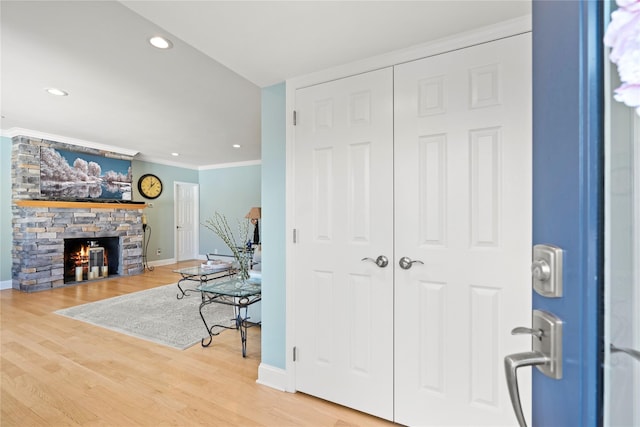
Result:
{"points": [[179, 296], [242, 324], [240, 320], [243, 337], [183, 292], [202, 341]]}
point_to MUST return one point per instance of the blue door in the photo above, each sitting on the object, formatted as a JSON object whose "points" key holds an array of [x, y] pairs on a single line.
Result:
{"points": [[567, 199]]}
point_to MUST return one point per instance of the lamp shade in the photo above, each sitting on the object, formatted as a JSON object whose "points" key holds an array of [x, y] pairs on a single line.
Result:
{"points": [[254, 213]]}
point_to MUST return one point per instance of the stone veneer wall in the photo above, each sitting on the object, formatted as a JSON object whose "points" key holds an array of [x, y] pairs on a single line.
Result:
{"points": [[39, 231]]}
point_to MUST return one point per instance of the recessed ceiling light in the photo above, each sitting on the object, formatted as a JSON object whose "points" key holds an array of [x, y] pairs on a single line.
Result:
{"points": [[236, 145], [56, 91], [161, 42], [175, 154]]}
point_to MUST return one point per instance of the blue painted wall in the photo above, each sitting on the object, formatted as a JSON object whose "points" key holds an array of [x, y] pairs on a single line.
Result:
{"points": [[567, 198], [161, 216], [273, 225], [231, 191], [6, 233]]}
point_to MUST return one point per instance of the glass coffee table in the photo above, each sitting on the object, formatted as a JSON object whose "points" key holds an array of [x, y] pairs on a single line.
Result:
{"points": [[237, 293], [201, 275]]}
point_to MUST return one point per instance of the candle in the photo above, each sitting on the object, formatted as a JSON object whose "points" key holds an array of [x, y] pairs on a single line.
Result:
{"points": [[144, 219], [95, 272], [89, 275], [78, 274], [105, 270]]}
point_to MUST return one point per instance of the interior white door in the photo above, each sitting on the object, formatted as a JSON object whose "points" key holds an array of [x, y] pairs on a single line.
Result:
{"points": [[186, 214], [463, 210], [344, 213]]}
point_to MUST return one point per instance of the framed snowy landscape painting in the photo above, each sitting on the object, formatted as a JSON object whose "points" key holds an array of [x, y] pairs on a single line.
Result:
{"points": [[69, 175]]}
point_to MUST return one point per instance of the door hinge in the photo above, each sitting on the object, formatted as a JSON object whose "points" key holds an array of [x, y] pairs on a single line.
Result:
{"points": [[295, 118], [295, 355], [295, 236]]}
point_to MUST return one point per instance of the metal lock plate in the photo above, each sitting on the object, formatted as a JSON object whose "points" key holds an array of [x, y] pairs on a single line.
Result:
{"points": [[546, 270], [549, 343]]}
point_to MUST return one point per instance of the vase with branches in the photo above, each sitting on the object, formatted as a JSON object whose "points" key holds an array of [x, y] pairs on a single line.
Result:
{"points": [[235, 241]]}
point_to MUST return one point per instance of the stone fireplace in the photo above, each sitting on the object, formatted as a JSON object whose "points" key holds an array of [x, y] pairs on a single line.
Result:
{"points": [[43, 228], [40, 230]]}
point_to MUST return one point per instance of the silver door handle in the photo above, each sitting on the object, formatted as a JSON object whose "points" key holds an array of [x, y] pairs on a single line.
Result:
{"points": [[631, 352], [522, 330], [406, 262], [546, 354], [382, 261], [511, 365]]}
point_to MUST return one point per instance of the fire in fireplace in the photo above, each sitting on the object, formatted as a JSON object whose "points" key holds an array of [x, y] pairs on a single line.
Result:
{"points": [[90, 259]]}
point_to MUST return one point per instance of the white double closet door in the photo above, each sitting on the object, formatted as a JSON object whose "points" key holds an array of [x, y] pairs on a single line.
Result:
{"points": [[429, 160]]}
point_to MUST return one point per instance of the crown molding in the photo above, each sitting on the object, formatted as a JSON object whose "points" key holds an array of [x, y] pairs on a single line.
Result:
{"points": [[232, 165], [166, 162], [178, 164]]}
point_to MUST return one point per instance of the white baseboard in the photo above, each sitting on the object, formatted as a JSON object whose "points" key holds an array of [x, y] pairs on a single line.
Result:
{"points": [[6, 284], [162, 262], [272, 377]]}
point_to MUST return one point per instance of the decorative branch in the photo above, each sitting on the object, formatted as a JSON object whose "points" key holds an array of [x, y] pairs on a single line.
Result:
{"points": [[220, 226]]}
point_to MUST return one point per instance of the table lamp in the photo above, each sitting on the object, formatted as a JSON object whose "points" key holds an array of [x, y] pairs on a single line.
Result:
{"points": [[254, 215]]}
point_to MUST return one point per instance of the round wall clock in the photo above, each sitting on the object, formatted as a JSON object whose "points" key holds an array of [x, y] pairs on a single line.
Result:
{"points": [[150, 186]]}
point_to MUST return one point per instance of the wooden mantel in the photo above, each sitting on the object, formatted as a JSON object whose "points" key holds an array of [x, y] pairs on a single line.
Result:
{"points": [[81, 205]]}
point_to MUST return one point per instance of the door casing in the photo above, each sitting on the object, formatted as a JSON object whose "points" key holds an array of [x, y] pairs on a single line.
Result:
{"points": [[568, 199]]}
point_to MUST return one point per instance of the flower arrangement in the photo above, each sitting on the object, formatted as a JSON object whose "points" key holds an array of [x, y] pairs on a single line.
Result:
{"points": [[623, 36], [219, 225]]}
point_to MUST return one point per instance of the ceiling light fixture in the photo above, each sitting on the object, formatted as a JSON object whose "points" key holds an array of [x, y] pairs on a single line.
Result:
{"points": [[175, 154], [56, 91], [161, 42], [236, 145]]}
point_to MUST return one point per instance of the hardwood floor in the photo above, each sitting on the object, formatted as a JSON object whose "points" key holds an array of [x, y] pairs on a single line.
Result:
{"points": [[57, 371]]}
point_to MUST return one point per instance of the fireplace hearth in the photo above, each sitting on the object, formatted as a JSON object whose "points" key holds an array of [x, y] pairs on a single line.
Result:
{"points": [[39, 261]]}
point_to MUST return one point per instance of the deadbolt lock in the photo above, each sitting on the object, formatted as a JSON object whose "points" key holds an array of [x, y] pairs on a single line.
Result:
{"points": [[546, 270]]}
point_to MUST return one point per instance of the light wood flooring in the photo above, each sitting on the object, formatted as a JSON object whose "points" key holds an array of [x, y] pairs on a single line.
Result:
{"points": [[57, 371]]}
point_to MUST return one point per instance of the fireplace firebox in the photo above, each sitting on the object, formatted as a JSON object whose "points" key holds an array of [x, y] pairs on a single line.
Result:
{"points": [[90, 259]]}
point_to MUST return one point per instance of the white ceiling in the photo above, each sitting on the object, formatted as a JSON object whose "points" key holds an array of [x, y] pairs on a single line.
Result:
{"points": [[203, 95]]}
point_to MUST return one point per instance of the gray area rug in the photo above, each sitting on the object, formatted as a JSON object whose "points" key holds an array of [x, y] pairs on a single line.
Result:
{"points": [[154, 315]]}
